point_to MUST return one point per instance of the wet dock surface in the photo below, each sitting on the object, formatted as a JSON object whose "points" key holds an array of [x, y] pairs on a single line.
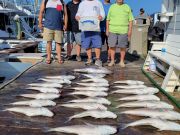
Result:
{"points": [[19, 124]]}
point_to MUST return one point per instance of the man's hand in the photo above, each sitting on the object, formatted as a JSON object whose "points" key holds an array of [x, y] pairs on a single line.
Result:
{"points": [[65, 28], [100, 17], [129, 34], [77, 18], [107, 33], [40, 26]]}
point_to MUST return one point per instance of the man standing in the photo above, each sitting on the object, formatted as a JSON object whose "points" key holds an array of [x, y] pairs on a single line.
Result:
{"points": [[119, 29], [55, 16], [91, 39], [74, 34]]}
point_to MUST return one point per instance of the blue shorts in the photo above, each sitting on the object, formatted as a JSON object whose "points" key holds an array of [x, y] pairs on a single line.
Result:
{"points": [[73, 37], [91, 39]]}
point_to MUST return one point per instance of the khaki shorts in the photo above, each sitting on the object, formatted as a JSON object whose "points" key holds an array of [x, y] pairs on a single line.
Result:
{"points": [[50, 35]]}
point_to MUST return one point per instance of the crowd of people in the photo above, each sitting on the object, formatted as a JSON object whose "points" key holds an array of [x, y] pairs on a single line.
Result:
{"points": [[115, 28]]}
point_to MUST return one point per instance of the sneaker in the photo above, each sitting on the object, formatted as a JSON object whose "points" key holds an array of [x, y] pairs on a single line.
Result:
{"points": [[78, 58], [112, 63], [67, 57], [89, 62], [108, 60], [98, 63], [122, 64]]}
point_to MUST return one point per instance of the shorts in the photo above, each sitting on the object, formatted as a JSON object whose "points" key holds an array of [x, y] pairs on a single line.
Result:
{"points": [[74, 37], [91, 39], [50, 35], [104, 38], [118, 40]]}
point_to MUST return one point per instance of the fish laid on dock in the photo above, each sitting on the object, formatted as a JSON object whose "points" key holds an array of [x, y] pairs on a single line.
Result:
{"points": [[158, 123], [89, 93], [49, 85], [49, 96], [94, 84], [144, 91], [140, 98], [31, 111], [85, 106], [100, 70], [97, 80], [61, 77], [35, 103], [94, 75], [130, 86], [90, 88], [45, 90], [148, 104], [87, 129], [98, 114], [154, 113], [64, 81], [129, 82], [99, 100]]}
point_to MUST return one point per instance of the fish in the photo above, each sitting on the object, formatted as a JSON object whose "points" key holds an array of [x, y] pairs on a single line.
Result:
{"points": [[49, 96], [154, 113], [100, 70], [45, 90], [61, 77], [130, 82], [90, 88], [148, 91], [85, 106], [148, 104], [94, 84], [97, 80], [98, 114], [157, 123], [99, 100], [87, 129], [130, 86], [32, 111], [49, 85], [94, 75], [140, 98], [64, 81], [35, 103], [89, 93]]}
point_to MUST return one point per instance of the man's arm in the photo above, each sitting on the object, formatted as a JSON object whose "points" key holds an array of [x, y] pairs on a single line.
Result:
{"points": [[130, 29], [65, 17], [41, 12]]}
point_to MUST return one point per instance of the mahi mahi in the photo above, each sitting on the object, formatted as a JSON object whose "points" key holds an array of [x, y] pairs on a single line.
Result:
{"points": [[89, 93], [130, 82], [140, 98], [45, 90], [49, 96], [90, 88], [94, 84], [158, 123]]}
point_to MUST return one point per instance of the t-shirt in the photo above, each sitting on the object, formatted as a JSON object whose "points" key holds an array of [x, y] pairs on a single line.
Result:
{"points": [[53, 16], [72, 9], [119, 17]]}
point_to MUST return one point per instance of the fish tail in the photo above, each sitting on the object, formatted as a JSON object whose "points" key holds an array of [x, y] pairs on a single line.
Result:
{"points": [[69, 119], [123, 126], [46, 129]]}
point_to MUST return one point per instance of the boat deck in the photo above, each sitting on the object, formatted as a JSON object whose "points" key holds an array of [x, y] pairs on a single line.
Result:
{"points": [[19, 124]]}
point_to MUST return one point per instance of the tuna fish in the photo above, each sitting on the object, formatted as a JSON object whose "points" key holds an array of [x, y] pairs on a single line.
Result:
{"points": [[99, 100], [155, 113], [90, 88], [64, 81], [157, 123], [49, 96], [61, 77], [97, 80], [85, 106], [31, 111], [49, 85], [144, 91], [95, 114], [35, 103], [99, 70], [130, 82], [45, 90], [87, 129], [130, 86], [94, 75], [94, 84], [140, 98], [148, 104], [89, 93]]}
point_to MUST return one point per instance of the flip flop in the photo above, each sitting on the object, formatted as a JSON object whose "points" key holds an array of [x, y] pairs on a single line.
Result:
{"points": [[60, 61], [48, 61]]}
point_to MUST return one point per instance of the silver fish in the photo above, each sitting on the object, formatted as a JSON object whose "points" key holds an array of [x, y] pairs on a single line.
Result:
{"points": [[148, 104], [141, 98], [49, 85], [158, 123], [95, 114], [130, 86], [61, 77], [89, 93], [90, 88], [45, 90], [31, 111], [94, 75], [64, 81], [42, 96], [154, 113], [85, 106], [35, 103], [99, 100], [87, 129], [148, 91], [130, 82], [101, 70], [94, 84], [96, 80]]}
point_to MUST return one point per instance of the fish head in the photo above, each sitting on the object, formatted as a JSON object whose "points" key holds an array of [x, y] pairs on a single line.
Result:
{"points": [[105, 129], [112, 115], [47, 112]]}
